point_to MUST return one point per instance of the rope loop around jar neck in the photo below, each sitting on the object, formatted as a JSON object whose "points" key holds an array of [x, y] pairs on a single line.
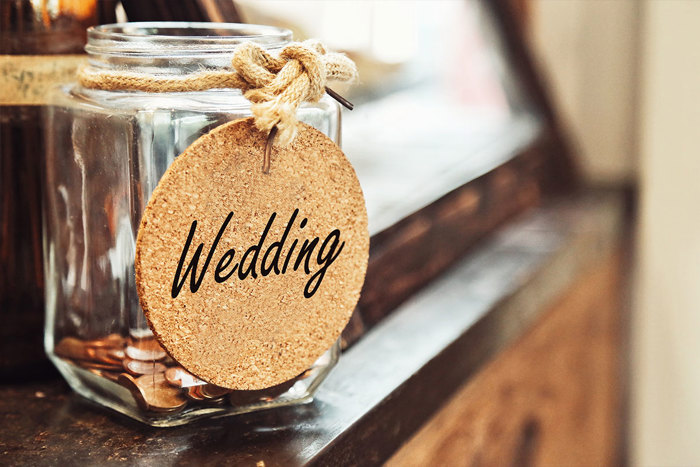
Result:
{"points": [[276, 85]]}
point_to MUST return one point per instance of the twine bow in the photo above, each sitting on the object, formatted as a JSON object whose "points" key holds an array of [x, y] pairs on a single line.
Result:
{"points": [[276, 86]]}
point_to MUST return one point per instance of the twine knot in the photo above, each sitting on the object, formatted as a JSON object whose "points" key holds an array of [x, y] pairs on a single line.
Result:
{"points": [[276, 86]]}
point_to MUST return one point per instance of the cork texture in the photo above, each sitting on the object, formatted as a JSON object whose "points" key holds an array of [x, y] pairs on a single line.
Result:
{"points": [[250, 332]]}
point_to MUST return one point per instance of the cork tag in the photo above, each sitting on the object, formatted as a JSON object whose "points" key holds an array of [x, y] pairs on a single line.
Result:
{"points": [[245, 277]]}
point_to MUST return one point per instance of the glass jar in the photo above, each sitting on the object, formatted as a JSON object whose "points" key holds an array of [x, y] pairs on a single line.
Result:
{"points": [[106, 152]]}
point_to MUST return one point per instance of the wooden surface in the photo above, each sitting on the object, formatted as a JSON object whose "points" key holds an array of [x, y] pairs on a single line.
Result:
{"points": [[411, 253], [551, 399], [384, 388]]}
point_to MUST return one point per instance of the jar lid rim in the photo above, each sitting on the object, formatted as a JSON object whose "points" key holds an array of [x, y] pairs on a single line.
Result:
{"points": [[137, 36]]}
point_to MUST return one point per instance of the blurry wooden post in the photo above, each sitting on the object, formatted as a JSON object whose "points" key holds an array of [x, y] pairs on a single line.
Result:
{"points": [[562, 171], [521, 10]]}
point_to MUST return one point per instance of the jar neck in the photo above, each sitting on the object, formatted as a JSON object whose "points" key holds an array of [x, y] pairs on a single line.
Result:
{"points": [[175, 48]]}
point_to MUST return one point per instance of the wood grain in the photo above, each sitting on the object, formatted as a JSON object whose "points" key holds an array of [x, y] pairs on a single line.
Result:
{"points": [[550, 399], [407, 256], [387, 385]]}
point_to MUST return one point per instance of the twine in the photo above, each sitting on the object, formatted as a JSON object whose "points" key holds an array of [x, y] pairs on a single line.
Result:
{"points": [[276, 86]]}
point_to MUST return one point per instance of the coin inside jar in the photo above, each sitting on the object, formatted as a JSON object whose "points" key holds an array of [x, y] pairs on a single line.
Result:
{"points": [[105, 355], [73, 348], [109, 341], [159, 395], [138, 367], [156, 385], [145, 350], [129, 382], [181, 378], [194, 393], [153, 393], [211, 391], [98, 365]]}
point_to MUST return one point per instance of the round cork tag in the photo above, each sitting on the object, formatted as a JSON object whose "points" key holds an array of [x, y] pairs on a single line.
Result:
{"points": [[247, 278]]}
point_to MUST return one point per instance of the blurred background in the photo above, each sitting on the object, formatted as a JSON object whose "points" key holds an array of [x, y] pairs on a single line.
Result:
{"points": [[624, 75]]}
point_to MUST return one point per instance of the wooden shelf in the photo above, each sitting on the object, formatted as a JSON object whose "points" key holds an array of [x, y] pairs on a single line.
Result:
{"points": [[385, 387]]}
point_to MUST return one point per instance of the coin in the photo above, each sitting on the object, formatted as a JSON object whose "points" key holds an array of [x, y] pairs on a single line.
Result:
{"points": [[73, 348], [211, 391], [129, 382], [155, 386], [219, 401], [145, 350], [109, 341], [159, 395], [116, 353], [105, 355], [153, 393], [98, 365], [138, 367], [194, 393], [181, 378], [168, 361]]}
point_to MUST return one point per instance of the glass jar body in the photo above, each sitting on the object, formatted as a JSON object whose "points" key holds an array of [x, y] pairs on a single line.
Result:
{"points": [[107, 150]]}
